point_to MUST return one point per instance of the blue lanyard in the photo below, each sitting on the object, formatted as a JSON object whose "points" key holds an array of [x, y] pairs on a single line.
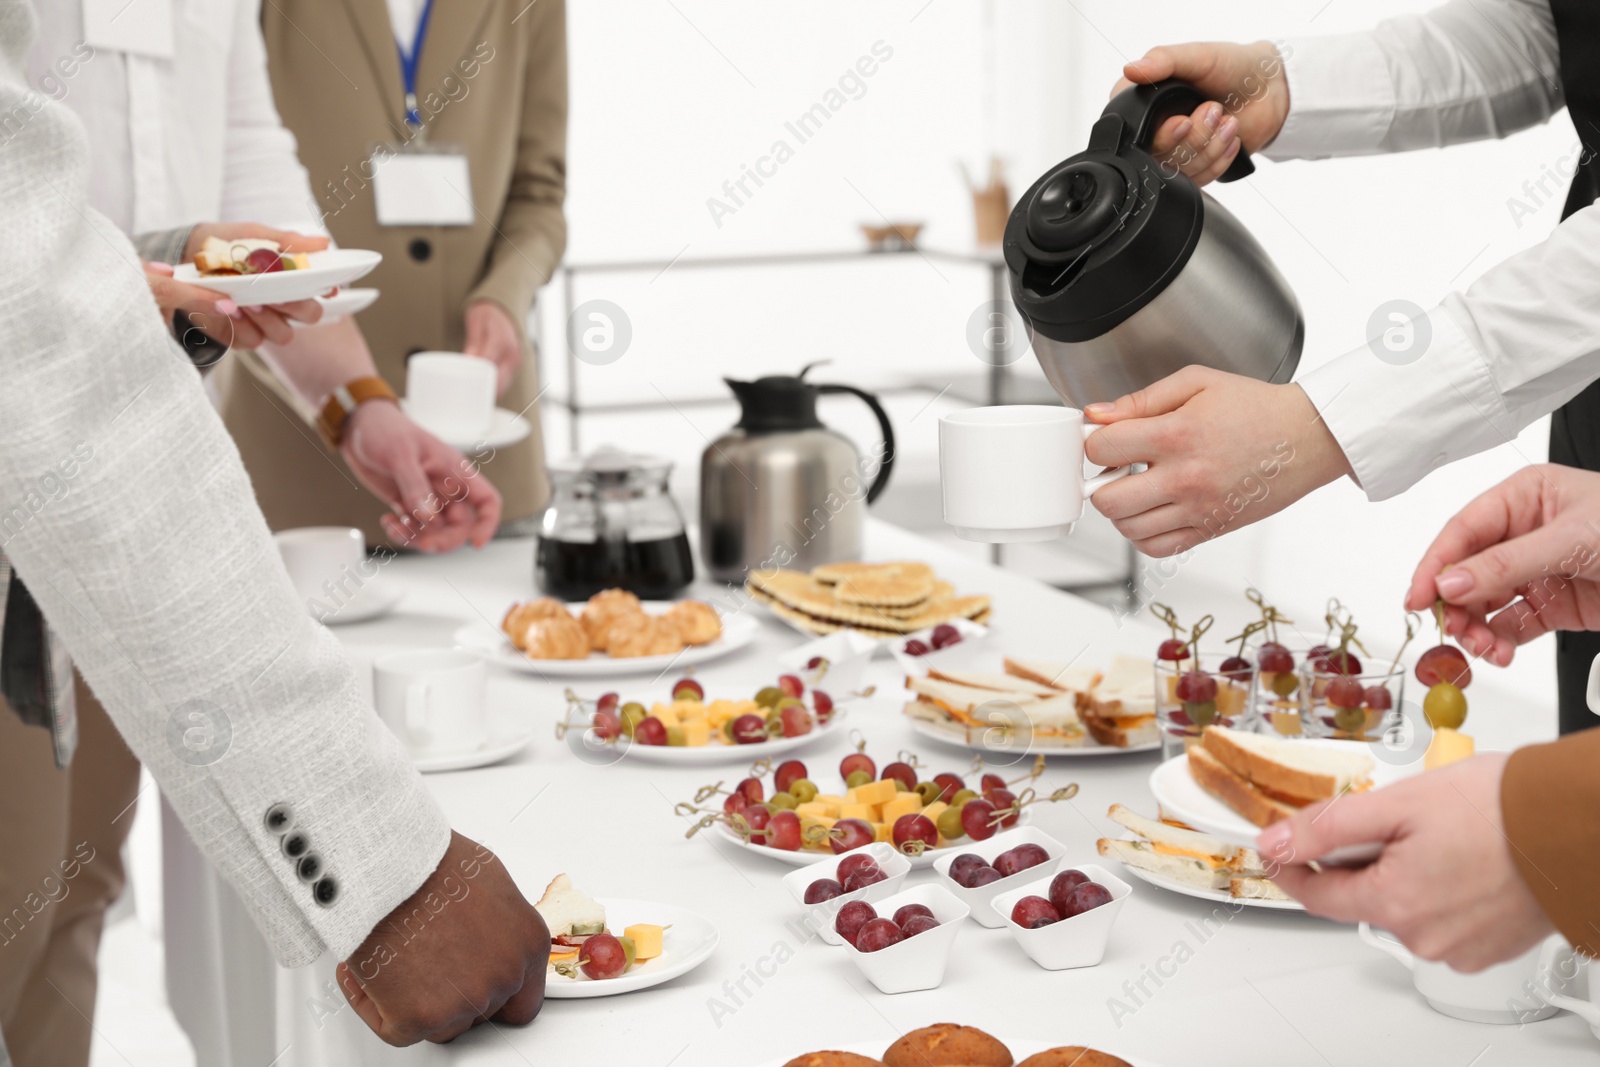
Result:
{"points": [[408, 65]]}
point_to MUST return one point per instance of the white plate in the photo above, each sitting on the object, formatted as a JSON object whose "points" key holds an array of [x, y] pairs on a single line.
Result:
{"points": [[959, 736], [1220, 896], [497, 749], [689, 943], [1020, 1049], [339, 305], [484, 637], [369, 602], [803, 857], [335, 266], [505, 428], [705, 755], [1181, 798]]}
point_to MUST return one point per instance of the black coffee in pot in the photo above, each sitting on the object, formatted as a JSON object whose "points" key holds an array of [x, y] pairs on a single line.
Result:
{"points": [[577, 570]]}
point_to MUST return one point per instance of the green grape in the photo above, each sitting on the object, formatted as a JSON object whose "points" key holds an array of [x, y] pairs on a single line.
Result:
{"points": [[949, 824], [769, 697], [804, 790], [855, 778], [630, 951], [961, 797], [1445, 706], [1284, 684], [782, 802], [1350, 720], [632, 715], [675, 737], [1201, 713]]}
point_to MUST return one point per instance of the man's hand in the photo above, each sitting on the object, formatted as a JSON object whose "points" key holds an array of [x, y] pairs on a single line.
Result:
{"points": [[1527, 551], [491, 335], [220, 318], [1247, 102], [1224, 451], [1445, 883], [441, 501], [480, 955]]}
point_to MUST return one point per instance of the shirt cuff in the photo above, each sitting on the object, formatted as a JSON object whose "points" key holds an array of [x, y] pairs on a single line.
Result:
{"points": [[1341, 97], [1429, 400]]}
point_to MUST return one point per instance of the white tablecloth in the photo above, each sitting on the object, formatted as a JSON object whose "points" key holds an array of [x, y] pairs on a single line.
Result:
{"points": [[1256, 986]]}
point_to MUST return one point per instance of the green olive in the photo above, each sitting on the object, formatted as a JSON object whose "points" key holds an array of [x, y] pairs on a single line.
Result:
{"points": [[632, 715], [961, 797], [769, 697], [1284, 683], [782, 802], [803, 790], [1445, 706], [675, 737], [929, 792], [856, 778], [949, 824]]}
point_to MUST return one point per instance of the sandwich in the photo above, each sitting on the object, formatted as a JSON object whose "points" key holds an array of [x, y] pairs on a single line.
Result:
{"points": [[1121, 710], [571, 917], [240, 256], [1051, 720], [1266, 779], [1179, 854], [1062, 677], [1002, 683]]}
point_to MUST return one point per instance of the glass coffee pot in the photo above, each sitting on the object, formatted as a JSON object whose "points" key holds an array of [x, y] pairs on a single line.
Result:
{"points": [[611, 524]]}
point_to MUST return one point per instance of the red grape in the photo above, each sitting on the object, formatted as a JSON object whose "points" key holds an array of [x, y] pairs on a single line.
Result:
{"points": [[1273, 657], [607, 726], [903, 773], [906, 911], [852, 917], [919, 924], [1378, 698], [1317, 651], [1345, 662], [603, 956], [788, 773], [952, 784], [1196, 687], [748, 729], [814, 662], [791, 685], [607, 702], [977, 819], [1062, 885], [1086, 897], [983, 876], [824, 705], [1236, 668], [650, 731], [796, 720], [908, 828], [1444, 663], [1345, 692], [783, 832], [851, 864], [1034, 912], [688, 689], [944, 635], [878, 934], [964, 865], [823, 889], [915, 647], [752, 790], [858, 761], [735, 803], [757, 817], [864, 877], [991, 781], [265, 261], [851, 834], [1030, 854], [1003, 798], [1173, 650]]}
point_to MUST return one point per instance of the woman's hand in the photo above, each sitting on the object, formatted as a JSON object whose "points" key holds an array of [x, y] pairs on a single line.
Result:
{"points": [[219, 318], [1247, 102], [1519, 561], [491, 335]]}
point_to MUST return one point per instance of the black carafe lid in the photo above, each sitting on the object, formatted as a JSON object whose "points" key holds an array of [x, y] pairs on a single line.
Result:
{"points": [[776, 403], [1099, 235]]}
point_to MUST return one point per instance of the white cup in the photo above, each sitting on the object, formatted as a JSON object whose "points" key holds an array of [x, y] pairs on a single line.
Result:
{"points": [[1508, 992], [327, 564], [1592, 691], [434, 701], [1564, 970], [450, 395], [1015, 473]]}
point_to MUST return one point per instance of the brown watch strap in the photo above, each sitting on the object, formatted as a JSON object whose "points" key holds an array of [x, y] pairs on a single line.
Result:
{"points": [[345, 399]]}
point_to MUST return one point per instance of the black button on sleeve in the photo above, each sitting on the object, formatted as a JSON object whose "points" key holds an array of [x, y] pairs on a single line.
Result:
{"points": [[326, 891], [279, 818], [309, 867], [295, 843], [420, 249]]}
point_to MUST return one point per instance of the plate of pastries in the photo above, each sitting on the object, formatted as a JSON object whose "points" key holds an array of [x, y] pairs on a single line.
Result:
{"points": [[950, 1045], [882, 600], [613, 632]]}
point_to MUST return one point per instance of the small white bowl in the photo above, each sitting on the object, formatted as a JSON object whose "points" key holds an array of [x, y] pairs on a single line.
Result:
{"points": [[1079, 941], [819, 917], [917, 962], [978, 900]]}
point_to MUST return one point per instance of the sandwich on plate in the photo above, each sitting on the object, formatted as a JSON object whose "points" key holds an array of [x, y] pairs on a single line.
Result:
{"points": [[1267, 778], [246, 255], [978, 703], [1179, 854], [1121, 710], [571, 916]]}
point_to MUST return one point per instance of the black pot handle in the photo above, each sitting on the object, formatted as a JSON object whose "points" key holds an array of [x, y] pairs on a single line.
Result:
{"points": [[1143, 108], [881, 482]]}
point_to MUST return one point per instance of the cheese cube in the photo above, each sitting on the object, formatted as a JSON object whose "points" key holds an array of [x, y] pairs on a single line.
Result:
{"points": [[696, 732], [829, 798], [881, 831], [688, 709], [904, 804], [1447, 747], [816, 807], [806, 831], [933, 811], [665, 713], [646, 940], [865, 812], [880, 792]]}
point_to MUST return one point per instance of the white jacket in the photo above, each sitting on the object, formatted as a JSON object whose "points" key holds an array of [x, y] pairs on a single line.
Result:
{"points": [[145, 549]]}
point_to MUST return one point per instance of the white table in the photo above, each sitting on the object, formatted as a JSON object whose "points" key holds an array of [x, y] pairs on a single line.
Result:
{"points": [[1261, 986]]}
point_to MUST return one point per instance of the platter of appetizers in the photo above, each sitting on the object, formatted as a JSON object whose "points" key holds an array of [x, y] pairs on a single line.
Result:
{"points": [[602, 946], [1038, 707], [691, 727], [791, 820], [613, 632], [952, 1043], [1197, 865], [257, 271]]}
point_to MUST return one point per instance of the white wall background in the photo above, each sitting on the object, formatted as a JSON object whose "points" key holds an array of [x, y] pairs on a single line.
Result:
{"points": [[671, 99]]}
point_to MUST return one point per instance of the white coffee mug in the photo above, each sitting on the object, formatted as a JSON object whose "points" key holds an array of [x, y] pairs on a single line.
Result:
{"points": [[1591, 693], [1015, 473], [435, 701], [327, 564], [1563, 966], [1507, 992], [449, 394]]}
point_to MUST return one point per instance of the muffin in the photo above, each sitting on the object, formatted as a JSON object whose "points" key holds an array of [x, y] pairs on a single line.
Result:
{"points": [[1073, 1056], [832, 1059], [947, 1045]]}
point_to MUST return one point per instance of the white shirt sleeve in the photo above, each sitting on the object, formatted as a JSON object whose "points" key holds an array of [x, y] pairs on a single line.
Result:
{"points": [[1525, 337]]}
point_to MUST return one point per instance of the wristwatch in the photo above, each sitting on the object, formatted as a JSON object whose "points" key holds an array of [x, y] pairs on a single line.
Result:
{"points": [[344, 400]]}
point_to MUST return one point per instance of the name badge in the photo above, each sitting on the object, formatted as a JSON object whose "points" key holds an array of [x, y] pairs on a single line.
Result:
{"points": [[414, 188], [143, 27]]}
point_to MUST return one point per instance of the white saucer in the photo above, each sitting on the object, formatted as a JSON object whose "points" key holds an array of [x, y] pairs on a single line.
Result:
{"points": [[690, 940], [371, 602], [497, 749], [339, 305], [505, 428], [330, 268]]}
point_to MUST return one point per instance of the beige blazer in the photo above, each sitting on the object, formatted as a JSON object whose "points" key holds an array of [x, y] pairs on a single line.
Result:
{"points": [[492, 82]]}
